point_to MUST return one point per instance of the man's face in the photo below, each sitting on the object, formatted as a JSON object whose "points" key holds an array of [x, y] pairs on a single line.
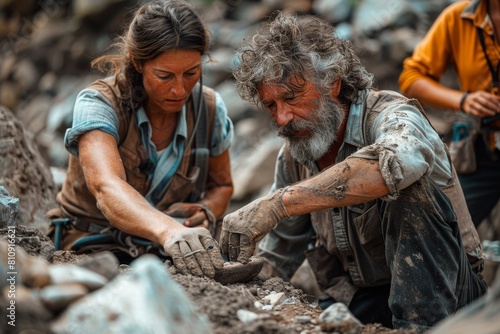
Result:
{"points": [[308, 120]]}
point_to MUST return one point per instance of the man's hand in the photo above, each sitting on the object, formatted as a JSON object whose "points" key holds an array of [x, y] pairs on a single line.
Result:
{"points": [[194, 252], [195, 214], [242, 229]]}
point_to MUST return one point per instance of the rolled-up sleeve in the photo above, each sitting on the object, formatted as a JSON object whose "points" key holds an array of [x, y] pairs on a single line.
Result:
{"points": [[406, 147], [223, 132], [92, 111], [284, 246]]}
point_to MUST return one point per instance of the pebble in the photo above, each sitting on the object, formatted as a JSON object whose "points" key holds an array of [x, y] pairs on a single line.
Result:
{"points": [[58, 297], [274, 299], [290, 301], [247, 317], [36, 272], [337, 317], [70, 273], [303, 319], [125, 267]]}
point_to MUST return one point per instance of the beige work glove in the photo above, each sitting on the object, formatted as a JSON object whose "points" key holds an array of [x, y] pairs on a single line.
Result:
{"points": [[194, 251], [242, 229]]}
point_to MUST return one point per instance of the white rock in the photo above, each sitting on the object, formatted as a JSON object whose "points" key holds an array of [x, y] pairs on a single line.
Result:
{"points": [[71, 273], [257, 304], [247, 317], [274, 299], [337, 317]]}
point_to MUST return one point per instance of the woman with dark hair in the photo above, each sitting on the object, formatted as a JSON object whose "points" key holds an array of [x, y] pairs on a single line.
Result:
{"points": [[149, 147]]}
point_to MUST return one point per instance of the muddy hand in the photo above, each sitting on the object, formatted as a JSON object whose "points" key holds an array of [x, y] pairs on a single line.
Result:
{"points": [[196, 214], [194, 252], [242, 229]]}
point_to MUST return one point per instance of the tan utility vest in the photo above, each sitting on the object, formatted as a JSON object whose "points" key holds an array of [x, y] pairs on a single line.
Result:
{"points": [[76, 199]]}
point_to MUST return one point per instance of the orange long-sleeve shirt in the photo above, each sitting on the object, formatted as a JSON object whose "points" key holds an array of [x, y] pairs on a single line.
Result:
{"points": [[453, 40]]}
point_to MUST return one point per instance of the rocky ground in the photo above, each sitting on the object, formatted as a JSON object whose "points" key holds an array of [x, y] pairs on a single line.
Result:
{"points": [[231, 308], [216, 308]]}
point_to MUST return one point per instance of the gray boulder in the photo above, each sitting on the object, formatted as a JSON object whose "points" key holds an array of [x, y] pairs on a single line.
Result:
{"points": [[24, 172], [145, 299]]}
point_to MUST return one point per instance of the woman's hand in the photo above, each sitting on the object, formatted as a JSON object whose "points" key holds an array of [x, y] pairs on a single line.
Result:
{"points": [[194, 251], [196, 214]]}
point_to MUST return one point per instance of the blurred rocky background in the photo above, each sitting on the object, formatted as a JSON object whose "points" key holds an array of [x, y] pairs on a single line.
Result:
{"points": [[46, 48]]}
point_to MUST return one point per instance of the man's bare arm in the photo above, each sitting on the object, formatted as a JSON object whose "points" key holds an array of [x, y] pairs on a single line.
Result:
{"points": [[350, 182]]}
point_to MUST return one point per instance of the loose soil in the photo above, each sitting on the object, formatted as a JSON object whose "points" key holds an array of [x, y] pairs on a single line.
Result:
{"points": [[220, 304]]}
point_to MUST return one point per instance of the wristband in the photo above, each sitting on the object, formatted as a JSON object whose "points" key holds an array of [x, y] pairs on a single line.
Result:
{"points": [[208, 213], [281, 201], [462, 101]]}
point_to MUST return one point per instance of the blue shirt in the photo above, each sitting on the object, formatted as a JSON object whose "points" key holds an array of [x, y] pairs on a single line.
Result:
{"points": [[94, 112]]}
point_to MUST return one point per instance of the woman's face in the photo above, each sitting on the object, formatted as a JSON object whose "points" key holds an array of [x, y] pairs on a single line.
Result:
{"points": [[169, 78]]}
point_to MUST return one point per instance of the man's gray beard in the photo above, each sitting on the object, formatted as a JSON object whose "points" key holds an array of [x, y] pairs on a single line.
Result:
{"points": [[323, 127]]}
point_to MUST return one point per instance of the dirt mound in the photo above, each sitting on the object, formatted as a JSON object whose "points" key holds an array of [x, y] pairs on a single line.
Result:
{"points": [[24, 172], [222, 302], [32, 241]]}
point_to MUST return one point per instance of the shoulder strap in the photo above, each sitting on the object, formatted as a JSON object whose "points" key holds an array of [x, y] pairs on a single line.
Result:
{"points": [[204, 108], [290, 164], [494, 73]]}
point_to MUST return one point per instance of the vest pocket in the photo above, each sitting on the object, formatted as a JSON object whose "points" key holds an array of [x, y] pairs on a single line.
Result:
{"points": [[325, 266], [366, 220], [371, 252]]}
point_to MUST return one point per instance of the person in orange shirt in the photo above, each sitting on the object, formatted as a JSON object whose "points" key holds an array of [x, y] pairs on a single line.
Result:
{"points": [[465, 36]]}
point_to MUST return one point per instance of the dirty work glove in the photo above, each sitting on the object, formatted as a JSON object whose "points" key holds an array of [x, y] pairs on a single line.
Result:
{"points": [[194, 213], [242, 229], [194, 251]]}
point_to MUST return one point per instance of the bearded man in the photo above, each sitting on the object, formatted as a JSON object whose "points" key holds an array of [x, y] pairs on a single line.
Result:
{"points": [[364, 187]]}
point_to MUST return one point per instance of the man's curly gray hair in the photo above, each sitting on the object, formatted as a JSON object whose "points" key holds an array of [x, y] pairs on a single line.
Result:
{"points": [[304, 48]]}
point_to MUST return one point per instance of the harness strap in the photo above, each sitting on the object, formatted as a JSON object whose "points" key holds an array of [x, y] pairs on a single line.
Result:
{"points": [[290, 164], [492, 121], [86, 225], [200, 152]]}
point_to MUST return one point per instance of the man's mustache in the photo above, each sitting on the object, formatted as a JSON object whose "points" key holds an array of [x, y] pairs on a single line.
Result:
{"points": [[293, 127]]}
